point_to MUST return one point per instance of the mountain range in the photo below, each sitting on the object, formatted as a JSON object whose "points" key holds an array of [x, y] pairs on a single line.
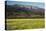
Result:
{"points": [[23, 10]]}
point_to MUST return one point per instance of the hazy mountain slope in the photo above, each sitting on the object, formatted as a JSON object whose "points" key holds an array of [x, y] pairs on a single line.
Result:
{"points": [[23, 10]]}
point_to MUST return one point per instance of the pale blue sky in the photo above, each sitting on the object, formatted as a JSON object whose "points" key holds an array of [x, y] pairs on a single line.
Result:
{"points": [[18, 2], [38, 4], [26, 0]]}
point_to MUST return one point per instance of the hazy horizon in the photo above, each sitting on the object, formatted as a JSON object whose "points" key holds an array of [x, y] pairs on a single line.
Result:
{"points": [[38, 4]]}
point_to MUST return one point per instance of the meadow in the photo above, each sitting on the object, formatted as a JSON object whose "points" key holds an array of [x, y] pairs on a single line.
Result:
{"points": [[18, 24]]}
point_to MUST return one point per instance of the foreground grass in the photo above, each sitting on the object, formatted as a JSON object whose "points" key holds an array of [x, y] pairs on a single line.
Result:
{"points": [[13, 24]]}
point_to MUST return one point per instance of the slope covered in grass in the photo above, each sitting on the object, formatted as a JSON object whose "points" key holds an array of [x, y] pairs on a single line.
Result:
{"points": [[24, 24]]}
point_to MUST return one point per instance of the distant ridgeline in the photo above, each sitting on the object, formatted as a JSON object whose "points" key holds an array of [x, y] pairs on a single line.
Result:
{"points": [[23, 11]]}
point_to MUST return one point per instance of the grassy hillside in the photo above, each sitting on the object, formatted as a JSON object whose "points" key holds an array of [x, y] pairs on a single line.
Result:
{"points": [[13, 24]]}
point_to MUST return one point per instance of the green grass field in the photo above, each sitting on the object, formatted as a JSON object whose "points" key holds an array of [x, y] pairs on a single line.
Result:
{"points": [[14, 24]]}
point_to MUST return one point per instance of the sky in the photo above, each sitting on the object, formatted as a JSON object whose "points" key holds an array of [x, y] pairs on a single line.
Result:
{"points": [[18, 2], [38, 4], [27, 0]]}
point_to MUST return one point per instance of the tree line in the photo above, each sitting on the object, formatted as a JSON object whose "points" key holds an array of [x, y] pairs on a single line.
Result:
{"points": [[17, 11]]}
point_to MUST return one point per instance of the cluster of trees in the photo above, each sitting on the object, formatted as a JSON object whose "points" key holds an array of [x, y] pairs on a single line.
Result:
{"points": [[17, 11]]}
